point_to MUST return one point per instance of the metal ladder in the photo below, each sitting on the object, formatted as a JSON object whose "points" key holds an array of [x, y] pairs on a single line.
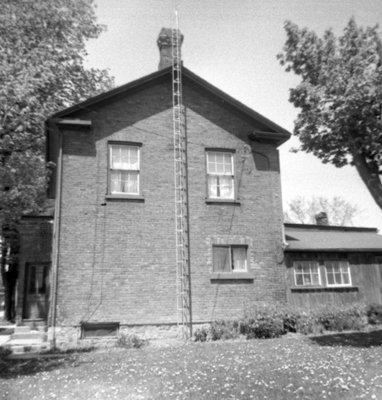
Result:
{"points": [[183, 286]]}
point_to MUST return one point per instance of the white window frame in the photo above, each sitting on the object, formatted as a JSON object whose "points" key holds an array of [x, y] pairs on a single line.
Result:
{"points": [[343, 265], [209, 174], [136, 146], [308, 265], [231, 258]]}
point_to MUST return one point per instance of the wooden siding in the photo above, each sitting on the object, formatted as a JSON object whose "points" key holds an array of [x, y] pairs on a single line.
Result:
{"points": [[366, 281]]}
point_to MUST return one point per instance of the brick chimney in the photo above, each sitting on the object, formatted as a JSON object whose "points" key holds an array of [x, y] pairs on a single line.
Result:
{"points": [[322, 218], [165, 47]]}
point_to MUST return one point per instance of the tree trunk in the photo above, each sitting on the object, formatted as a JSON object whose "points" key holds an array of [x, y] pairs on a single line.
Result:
{"points": [[9, 298], [370, 177], [9, 270]]}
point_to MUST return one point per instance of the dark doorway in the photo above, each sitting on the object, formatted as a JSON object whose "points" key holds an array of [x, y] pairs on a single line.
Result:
{"points": [[36, 300]]}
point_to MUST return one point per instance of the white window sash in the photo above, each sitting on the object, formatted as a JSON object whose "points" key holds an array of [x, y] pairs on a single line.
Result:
{"points": [[124, 177], [335, 269], [220, 184], [232, 261], [309, 274]]}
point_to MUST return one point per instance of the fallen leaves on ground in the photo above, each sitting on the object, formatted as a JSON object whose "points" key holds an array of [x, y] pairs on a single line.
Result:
{"points": [[286, 368]]}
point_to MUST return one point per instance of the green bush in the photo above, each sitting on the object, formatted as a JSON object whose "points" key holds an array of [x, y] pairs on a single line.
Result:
{"points": [[223, 330], [340, 318], [128, 341], [374, 314], [201, 334], [4, 352], [263, 322], [263, 327], [273, 321], [217, 330], [307, 323]]}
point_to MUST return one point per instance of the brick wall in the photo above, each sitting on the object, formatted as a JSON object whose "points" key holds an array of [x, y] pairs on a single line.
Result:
{"points": [[117, 257]]}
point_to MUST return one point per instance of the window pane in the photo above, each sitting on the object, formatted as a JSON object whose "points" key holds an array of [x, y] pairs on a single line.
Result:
{"points": [[329, 268], [221, 259], [219, 163], [330, 277], [226, 187], [115, 161], [115, 182], [307, 273], [299, 280], [228, 163], [124, 157], [298, 268], [337, 278], [220, 180], [239, 255], [211, 163], [211, 168], [133, 158], [213, 187], [124, 182], [338, 273], [220, 168], [130, 182], [307, 280], [315, 279]]}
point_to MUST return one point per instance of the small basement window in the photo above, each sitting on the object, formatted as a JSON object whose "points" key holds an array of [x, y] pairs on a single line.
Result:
{"points": [[99, 329]]}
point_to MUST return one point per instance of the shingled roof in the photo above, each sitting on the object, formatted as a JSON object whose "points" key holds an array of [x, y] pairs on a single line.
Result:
{"points": [[309, 238]]}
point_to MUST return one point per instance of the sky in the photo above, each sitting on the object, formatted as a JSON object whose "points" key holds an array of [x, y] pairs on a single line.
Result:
{"points": [[233, 44]]}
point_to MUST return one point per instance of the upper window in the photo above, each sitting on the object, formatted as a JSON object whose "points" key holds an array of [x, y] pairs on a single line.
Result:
{"points": [[307, 273], [124, 169], [337, 273], [229, 258], [220, 175]]}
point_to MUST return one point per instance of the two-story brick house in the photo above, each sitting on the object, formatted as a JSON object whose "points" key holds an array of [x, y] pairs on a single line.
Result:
{"points": [[113, 252]]}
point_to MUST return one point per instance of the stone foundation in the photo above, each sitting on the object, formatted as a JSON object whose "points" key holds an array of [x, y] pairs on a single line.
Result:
{"points": [[69, 337]]}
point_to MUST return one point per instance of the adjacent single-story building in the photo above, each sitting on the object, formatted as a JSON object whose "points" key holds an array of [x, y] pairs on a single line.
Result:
{"points": [[332, 265]]}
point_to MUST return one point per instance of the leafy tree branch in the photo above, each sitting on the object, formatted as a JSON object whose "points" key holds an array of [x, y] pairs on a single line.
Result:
{"points": [[339, 97]]}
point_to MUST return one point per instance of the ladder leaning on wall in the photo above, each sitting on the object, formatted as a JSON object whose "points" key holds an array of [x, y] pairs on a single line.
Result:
{"points": [[183, 281]]}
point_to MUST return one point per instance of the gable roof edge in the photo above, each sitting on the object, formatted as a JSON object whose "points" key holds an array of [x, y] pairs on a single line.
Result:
{"points": [[280, 134]]}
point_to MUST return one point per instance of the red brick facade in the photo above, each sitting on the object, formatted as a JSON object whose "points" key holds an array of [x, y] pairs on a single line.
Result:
{"points": [[116, 257]]}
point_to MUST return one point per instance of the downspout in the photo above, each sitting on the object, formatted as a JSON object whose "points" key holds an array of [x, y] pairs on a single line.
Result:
{"points": [[56, 233]]}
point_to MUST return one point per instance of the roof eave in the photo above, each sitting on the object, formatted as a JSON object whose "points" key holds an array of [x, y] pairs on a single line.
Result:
{"points": [[278, 135], [334, 250]]}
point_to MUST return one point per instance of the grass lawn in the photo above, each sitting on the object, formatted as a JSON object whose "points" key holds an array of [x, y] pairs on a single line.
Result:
{"points": [[343, 366]]}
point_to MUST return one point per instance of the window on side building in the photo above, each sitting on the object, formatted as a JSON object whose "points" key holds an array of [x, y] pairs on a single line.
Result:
{"points": [[307, 273], [124, 169], [337, 273], [229, 258], [220, 175]]}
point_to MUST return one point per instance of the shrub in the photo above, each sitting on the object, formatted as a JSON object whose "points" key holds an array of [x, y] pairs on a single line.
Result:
{"points": [[217, 330], [201, 334], [339, 318], [264, 328], [223, 330], [374, 314], [130, 341], [307, 323], [4, 352], [263, 322]]}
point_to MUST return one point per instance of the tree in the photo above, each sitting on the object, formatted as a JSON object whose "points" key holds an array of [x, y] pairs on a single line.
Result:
{"points": [[339, 211], [42, 51], [339, 97]]}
